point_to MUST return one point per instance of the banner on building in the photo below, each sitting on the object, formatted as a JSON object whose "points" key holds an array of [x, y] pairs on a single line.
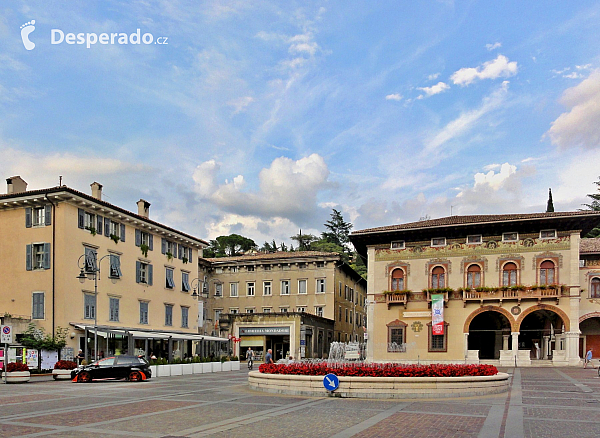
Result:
{"points": [[437, 314], [200, 314]]}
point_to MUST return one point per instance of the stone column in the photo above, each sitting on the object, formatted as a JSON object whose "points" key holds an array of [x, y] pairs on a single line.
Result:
{"points": [[371, 306], [572, 279], [572, 345], [466, 345], [505, 342], [546, 347], [515, 342]]}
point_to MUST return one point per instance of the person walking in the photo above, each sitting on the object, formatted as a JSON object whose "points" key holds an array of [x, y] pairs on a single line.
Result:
{"points": [[588, 358], [269, 356], [250, 358]]}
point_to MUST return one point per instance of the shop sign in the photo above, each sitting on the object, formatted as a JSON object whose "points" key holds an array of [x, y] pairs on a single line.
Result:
{"points": [[437, 314], [253, 331]]}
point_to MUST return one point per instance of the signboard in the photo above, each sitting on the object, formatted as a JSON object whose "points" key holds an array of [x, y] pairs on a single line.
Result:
{"points": [[331, 382], [302, 341], [32, 358], [49, 359], [67, 353], [6, 335], [253, 331], [437, 314], [352, 351], [425, 314]]}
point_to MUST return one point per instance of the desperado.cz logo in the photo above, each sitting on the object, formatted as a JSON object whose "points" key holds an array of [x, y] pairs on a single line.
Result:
{"points": [[57, 36]]}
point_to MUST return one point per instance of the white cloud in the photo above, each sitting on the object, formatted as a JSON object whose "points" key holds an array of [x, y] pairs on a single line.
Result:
{"points": [[287, 188], [467, 120], [572, 75], [495, 180], [394, 96], [491, 167], [240, 104], [579, 126], [493, 46], [583, 67], [499, 67], [433, 76], [438, 88]]}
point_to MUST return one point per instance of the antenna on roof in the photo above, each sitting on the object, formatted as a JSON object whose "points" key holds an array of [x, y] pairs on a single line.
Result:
{"points": [[424, 218], [451, 207], [60, 180]]}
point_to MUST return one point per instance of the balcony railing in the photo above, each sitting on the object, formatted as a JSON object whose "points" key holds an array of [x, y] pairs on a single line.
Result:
{"points": [[392, 299], [511, 294]]}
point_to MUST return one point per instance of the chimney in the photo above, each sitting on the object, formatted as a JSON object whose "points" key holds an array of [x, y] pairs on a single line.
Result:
{"points": [[143, 208], [15, 184], [96, 190]]}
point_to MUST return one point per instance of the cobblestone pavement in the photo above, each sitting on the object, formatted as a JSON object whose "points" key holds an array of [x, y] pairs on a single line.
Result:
{"points": [[542, 402]]}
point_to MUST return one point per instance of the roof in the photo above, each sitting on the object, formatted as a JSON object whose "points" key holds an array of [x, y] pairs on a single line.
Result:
{"points": [[589, 246], [274, 255], [460, 226], [59, 189], [475, 219]]}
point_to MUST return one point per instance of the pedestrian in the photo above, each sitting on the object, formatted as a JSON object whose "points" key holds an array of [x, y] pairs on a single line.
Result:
{"points": [[80, 357], [588, 358], [250, 358], [269, 356]]}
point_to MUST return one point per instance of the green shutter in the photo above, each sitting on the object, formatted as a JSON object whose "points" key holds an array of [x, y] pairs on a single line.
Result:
{"points": [[28, 217], [46, 256], [28, 257], [48, 214]]}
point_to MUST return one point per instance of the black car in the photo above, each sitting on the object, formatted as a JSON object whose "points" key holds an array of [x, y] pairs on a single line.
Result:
{"points": [[133, 368]]}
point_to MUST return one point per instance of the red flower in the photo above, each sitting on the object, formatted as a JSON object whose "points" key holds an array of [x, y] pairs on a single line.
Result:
{"points": [[65, 365], [15, 366]]}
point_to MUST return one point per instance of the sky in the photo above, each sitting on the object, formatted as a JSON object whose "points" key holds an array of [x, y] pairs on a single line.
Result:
{"points": [[260, 117]]}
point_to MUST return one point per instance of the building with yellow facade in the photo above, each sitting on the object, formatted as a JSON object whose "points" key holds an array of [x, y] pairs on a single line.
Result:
{"points": [[145, 272], [516, 289]]}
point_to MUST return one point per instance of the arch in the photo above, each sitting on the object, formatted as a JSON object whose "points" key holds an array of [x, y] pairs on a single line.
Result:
{"points": [[397, 279], [588, 316], [474, 275], [559, 312], [510, 273], [595, 286], [511, 319], [438, 277], [547, 272]]}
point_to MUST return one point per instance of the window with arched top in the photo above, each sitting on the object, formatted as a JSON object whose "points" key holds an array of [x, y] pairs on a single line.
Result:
{"points": [[438, 278], [547, 273], [474, 276], [397, 279], [595, 287], [509, 274]]}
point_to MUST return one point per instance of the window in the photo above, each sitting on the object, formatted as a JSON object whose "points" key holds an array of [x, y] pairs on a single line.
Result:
{"points": [[319, 310], [233, 269], [510, 237], [340, 314], [509, 274], [184, 316], [301, 286], [145, 239], [89, 306], [185, 281], [438, 278], [285, 266], [39, 216], [301, 265], [346, 315], [115, 229], [171, 248], [267, 288], [397, 279], [233, 310], [143, 273], [267, 267], [548, 234], [320, 264], [285, 287], [320, 285], [283, 310], [168, 314], [474, 239], [351, 317], [473, 276], [396, 337], [250, 268], [169, 282], [218, 314], [113, 306], [438, 342], [398, 244], [218, 270], [249, 309], [37, 256], [143, 312], [301, 309], [266, 310], [37, 310], [219, 290], [233, 289], [346, 294], [595, 288], [89, 222], [547, 273], [115, 266], [250, 289], [438, 241], [90, 260]]}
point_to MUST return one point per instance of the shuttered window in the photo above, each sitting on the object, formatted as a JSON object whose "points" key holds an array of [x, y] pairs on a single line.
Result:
{"points": [[113, 309], [89, 306], [184, 316], [37, 256], [143, 273], [185, 282], [168, 314], [91, 257], [169, 282], [143, 312], [37, 311], [115, 266]]}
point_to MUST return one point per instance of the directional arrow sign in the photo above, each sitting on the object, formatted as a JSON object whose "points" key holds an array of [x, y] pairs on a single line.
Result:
{"points": [[331, 382]]}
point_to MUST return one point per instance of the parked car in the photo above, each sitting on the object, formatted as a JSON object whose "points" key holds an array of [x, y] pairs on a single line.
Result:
{"points": [[133, 368]]}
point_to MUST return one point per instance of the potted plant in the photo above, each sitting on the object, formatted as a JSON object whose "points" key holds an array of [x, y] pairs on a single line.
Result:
{"points": [[184, 260], [17, 373], [92, 230], [115, 238], [144, 248], [169, 256], [62, 369]]}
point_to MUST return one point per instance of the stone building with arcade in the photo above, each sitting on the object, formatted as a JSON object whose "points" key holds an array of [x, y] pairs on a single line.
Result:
{"points": [[517, 289]]}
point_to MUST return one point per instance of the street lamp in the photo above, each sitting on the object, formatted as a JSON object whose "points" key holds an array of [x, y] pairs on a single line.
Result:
{"points": [[89, 270]]}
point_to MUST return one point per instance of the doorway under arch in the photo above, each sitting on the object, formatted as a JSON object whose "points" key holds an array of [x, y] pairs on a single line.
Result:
{"points": [[590, 332], [540, 332], [486, 333]]}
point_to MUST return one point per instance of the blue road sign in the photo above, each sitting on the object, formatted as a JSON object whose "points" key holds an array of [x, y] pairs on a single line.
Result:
{"points": [[331, 382]]}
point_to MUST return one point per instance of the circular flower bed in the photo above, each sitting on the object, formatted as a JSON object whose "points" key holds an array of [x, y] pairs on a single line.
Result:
{"points": [[379, 370]]}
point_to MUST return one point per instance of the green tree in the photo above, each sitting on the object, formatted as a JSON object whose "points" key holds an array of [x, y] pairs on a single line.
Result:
{"points": [[358, 264], [37, 338], [550, 206], [594, 205], [229, 246], [304, 240], [338, 230]]}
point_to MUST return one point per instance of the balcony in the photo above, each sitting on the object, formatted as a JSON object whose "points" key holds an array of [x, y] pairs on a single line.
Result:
{"points": [[518, 294], [392, 298]]}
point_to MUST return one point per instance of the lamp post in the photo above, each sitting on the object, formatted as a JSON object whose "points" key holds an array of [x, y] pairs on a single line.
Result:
{"points": [[90, 269]]}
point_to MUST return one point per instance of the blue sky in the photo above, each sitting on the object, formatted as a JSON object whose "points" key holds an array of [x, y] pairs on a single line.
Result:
{"points": [[259, 117]]}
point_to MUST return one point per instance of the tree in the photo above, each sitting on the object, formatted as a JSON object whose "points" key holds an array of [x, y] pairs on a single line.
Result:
{"points": [[358, 264], [338, 229], [229, 246], [36, 338], [594, 205], [550, 206], [304, 240]]}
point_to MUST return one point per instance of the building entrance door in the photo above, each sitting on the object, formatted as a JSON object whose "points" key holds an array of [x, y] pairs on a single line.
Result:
{"points": [[486, 333]]}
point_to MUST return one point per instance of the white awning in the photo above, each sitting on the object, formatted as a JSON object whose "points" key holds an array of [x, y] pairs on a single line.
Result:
{"points": [[214, 338], [148, 335]]}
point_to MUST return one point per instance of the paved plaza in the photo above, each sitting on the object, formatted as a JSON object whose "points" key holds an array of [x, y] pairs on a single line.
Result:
{"points": [[542, 402]]}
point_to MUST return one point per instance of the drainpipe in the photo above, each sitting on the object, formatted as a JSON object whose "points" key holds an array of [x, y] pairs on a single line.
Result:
{"points": [[53, 259]]}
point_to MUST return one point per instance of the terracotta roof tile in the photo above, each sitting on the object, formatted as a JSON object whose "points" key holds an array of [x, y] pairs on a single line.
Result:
{"points": [[589, 245], [275, 255]]}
